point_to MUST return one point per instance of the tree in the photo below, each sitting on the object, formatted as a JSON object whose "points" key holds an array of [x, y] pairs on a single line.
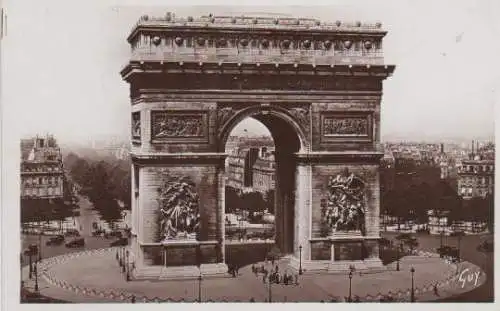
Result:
{"points": [[253, 202], [269, 201], [233, 200]]}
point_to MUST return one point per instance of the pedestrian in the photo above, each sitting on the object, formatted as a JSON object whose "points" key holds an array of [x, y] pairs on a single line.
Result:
{"points": [[436, 289], [237, 270], [276, 269], [296, 279], [285, 278]]}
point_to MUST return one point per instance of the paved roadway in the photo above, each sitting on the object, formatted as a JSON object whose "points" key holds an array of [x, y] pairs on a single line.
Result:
{"points": [[87, 216], [468, 251]]}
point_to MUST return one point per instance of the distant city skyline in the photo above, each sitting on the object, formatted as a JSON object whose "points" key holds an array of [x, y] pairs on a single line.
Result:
{"points": [[442, 88]]}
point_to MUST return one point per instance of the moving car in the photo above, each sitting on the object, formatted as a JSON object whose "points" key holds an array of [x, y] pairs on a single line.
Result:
{"points": [[76, 243], [57, 240]]}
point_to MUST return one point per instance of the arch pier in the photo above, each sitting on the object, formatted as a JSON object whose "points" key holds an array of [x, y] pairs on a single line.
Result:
{"points": [[316, 86]]}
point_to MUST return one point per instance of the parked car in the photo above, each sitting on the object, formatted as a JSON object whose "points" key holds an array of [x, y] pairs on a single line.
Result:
{"points": [[76, 243], [119, 242], [56, 240], [98, 232], [485, 246], [72, 232]]}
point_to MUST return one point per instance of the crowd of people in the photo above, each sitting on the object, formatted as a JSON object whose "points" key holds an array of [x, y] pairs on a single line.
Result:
{"points": [[274, 276], [269, 274]]}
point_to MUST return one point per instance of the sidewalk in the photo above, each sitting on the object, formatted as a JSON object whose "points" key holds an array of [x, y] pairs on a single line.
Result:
{"points": [[94, 276]]}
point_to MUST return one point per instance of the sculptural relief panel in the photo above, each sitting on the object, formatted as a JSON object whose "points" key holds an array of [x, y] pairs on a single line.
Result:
{"points": [[175, 126], [344, 200], [136, 126], [178, 213], [345, 205], [341, 127]]}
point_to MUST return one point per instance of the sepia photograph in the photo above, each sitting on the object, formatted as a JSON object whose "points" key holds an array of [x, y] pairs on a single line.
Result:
{"points": [[197, 153]]}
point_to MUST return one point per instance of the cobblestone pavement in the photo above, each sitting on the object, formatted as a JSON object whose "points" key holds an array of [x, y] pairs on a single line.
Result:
{"points": [[95, 276]]}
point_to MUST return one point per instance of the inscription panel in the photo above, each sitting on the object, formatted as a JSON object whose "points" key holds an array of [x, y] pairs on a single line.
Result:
{"points": [[346, 127], [179, 127]]}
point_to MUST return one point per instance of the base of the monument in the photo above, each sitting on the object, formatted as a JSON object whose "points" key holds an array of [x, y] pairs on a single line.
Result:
{"points": [[327, 266], [180, 272]]}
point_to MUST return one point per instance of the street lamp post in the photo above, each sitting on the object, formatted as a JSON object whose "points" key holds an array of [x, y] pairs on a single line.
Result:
{"points": [[128, 267], [123, 256], [397, 257], [36, 277], [412, 270], [300, 259], [40, 246], [459, 239], [350, 285], [199, 287], [441, 238], [31, 264], [269, 290]]}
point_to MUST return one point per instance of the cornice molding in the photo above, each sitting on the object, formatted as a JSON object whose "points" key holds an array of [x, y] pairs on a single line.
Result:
{"points": [[178, 158], [161, 67]]}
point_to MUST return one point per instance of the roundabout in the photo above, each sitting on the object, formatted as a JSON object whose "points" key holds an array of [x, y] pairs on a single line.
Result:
{"points": [[95, 276]]}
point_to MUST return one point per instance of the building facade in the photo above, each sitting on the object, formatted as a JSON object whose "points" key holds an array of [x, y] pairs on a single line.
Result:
{"points": [[42, 174], [264, 174], [476, 175], [251, 169], [476, 178]]}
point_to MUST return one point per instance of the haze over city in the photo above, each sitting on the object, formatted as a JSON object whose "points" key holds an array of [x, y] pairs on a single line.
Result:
{"points": [[442, 88]]}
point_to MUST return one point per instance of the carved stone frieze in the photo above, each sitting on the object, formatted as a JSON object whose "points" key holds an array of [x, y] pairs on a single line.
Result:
{"points": [[255, 82], [301, 115], [224, 114], [170, 124], [226, 111], [345, 126]]}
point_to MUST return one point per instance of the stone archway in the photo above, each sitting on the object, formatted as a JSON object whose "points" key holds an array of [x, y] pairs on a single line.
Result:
{"points": [[289, 139], [191, 80]]}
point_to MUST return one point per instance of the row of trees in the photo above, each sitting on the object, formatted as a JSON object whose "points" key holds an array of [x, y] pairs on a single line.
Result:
{"points": [[103, 181], [414, 201], [252, 202]]}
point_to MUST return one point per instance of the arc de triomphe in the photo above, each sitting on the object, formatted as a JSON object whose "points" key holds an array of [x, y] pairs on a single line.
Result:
{"points": [[316, 86]]}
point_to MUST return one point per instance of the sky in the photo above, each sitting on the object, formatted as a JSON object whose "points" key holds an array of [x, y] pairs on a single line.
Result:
{"points": [[61, 62]]}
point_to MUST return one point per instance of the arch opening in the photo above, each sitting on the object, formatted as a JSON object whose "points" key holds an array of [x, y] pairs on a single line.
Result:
{"points": [[261, 147]]}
